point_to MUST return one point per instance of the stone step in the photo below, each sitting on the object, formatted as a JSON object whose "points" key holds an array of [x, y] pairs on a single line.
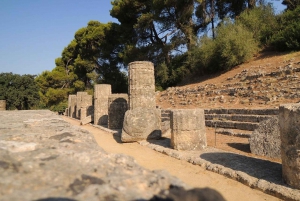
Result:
{"points": [[234, 132], [272, 111], [232, 124], [237, 117]]}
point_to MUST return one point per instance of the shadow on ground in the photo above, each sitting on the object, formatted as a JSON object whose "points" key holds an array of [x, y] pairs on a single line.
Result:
{"points": [[244, 147], [261, 169]]}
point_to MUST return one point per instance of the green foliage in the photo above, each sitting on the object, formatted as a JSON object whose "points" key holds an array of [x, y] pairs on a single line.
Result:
{"points": [[233, 45], [19, 91], [287, 36]]}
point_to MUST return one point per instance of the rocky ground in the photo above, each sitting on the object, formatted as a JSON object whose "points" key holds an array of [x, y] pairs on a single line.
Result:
{"points": [[42, 157]]}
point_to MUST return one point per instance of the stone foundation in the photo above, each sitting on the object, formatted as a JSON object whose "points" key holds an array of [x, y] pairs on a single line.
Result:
{"points": [[72, 106], [117, 107], [141, 85], [188, 130], [2, 105], [101, 94], [289, 118]]}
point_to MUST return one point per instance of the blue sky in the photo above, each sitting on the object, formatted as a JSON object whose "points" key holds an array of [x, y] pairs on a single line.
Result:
{"points": [[33, 33]]}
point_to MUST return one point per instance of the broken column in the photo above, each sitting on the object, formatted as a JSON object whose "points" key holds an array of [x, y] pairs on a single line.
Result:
{"points": [[117, 106], [86, 111], [79, 102], [141, 85], [289, 118], [142, 120], [2, 105], [101, 93], [72, 105], [188, 130]]}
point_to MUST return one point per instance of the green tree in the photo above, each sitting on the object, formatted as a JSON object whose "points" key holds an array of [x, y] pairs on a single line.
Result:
{"points": [[19, 91]]}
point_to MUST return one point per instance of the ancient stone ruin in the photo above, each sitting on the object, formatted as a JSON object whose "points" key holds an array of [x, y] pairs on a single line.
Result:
{"points": [[188, 129], [289, 118], [265, 140], [72, 106], [2, 105], [141, 84], [79, 103], [142, 120], [118, 105], [101, 94]]}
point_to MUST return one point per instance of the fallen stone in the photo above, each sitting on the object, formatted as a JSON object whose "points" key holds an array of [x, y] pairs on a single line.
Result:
{"points": [[86, 120], [141, 124]]}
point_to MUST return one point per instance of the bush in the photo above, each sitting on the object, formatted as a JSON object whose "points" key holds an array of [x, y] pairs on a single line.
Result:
{"points": [[287, 37]]}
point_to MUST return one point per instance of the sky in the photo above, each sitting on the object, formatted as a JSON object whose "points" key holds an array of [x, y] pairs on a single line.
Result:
{"points": [[33, 33]]}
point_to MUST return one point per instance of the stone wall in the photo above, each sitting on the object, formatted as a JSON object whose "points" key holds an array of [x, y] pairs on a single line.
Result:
{"points": [[2, 105], [72, 106], [101, 94], [79, 102], [141, 85], [289, 118], [188, 131], [117, 106]]}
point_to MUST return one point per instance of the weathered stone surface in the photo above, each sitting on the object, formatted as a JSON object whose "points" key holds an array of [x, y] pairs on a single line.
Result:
{"points": [[86, 106], [289, 118], [72, 106], [86, 120], [2, 105], [101, 93], [79, 102], [141, 124], [117, 106], [188, 130], [141, 85], [44, 158], [265, 140]]}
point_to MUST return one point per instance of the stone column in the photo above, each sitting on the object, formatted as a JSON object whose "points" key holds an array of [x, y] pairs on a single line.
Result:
{"points": [[101, 93], [72, 106], [117, 106], [86, 103], [79, 102], [289, 124], [141, 85], [188, 130], [2, 105]]}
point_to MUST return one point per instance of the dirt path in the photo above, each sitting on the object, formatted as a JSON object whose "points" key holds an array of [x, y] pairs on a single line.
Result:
{"points": [[192, 175]]}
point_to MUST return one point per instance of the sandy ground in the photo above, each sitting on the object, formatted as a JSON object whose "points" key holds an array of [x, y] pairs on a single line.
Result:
{"points": [[192, 175]]}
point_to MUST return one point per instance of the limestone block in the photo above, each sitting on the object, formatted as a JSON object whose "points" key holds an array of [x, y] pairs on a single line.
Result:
{"points": [[141, 85], [72, 105], [289, 118], [117, 107], [66, 112], [188, 130], [101, 93], [265, 140], [79, 102], [141, 124], [2, 105], [86, 120]]}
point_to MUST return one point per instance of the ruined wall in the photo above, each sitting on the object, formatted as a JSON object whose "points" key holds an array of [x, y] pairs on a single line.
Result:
{"points": [[79, 102], [86, 106], [101, 93], [2, 105], [72, 106], [289, 118], [117, 106], [141, 85]]}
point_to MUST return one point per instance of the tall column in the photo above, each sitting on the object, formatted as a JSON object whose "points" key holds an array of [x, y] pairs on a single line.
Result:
{"points": [[289, 118], [79, 102], [2, 105], [72, 106], [141, 85], [101, 93]]}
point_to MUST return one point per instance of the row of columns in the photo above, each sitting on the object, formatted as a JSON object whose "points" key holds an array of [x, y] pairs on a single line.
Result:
{"points": [[135, 113]]}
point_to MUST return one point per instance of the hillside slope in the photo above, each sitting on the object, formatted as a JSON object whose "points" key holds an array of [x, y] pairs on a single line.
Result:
{"points": [[265, 82]]}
